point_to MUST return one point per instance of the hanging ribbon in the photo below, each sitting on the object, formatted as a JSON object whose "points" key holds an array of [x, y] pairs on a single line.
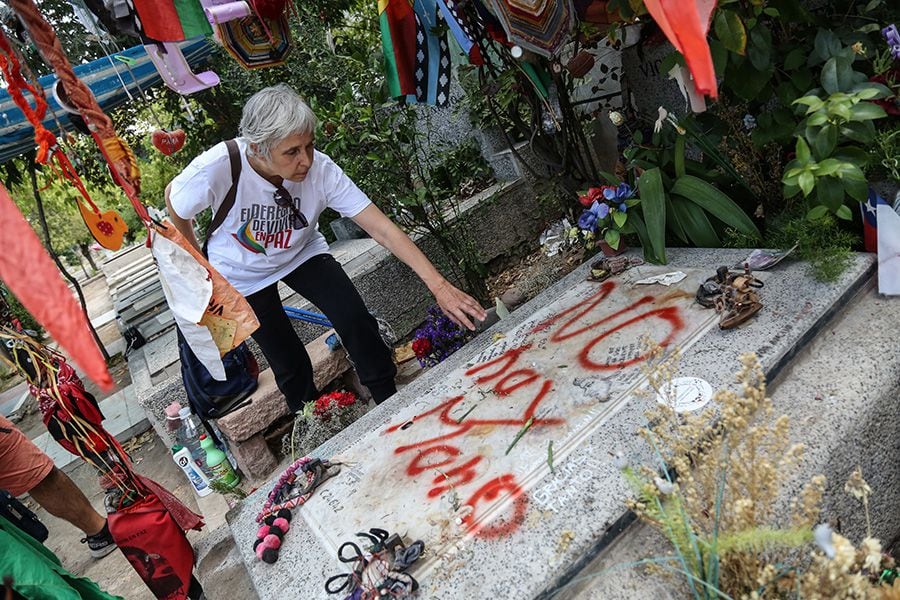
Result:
{"points": [[34, 280], [686, 23], [115, 150]]}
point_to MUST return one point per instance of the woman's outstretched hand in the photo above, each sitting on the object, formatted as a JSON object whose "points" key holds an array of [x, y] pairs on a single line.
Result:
{"points": [[462, 308]]}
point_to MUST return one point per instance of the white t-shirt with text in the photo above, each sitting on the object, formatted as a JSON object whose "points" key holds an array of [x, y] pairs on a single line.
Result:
{"points": [[256, 244]]}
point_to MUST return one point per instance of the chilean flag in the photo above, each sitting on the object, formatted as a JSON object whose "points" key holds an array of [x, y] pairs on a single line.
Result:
{"points": [[869, 210]]}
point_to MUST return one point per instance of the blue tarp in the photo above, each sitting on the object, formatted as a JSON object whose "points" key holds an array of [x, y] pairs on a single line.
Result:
{"points": [[107, 77]]}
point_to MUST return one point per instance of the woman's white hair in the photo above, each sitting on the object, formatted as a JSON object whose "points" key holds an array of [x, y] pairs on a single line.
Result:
{"points": [[273, 114]]}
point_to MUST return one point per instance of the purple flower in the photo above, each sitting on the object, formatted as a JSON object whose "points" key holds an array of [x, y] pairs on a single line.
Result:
{"points": [[589, 218], [623, 207], [443, 337], [892, 37]]}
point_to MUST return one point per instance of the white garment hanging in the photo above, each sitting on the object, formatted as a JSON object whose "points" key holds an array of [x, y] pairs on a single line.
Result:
{"points": [[188, 289]]}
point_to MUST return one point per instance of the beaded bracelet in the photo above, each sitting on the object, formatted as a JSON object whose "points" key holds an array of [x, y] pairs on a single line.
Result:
{"points": [[276, 515]]}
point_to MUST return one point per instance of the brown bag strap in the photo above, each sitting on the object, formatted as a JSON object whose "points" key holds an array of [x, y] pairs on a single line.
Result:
{"points": [[234, 157]]}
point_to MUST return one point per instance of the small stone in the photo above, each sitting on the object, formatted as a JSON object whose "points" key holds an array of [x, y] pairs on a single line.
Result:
{"points": [[512, 297]]}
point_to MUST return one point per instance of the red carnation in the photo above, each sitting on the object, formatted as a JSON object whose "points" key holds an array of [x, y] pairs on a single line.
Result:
{"points": [[592, 194], [421, 347]]}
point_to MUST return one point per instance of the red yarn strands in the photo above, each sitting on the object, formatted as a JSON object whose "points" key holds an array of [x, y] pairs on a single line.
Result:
{"points": [[12, 72], [116, 152], [46, 140]]}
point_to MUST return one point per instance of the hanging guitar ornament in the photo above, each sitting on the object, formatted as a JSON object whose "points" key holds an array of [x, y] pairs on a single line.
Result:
{"points": [[108, 228], [168, 142]]}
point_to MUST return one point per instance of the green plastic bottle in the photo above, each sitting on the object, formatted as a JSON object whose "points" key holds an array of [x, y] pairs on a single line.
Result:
{"points": [[218, 464]]}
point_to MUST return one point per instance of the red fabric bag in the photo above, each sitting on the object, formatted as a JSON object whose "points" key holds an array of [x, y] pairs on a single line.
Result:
{"points": [[155, 546]]}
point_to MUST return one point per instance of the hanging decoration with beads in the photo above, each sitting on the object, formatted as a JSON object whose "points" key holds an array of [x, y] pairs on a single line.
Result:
{"points": [[294, 487], [108, 228]]}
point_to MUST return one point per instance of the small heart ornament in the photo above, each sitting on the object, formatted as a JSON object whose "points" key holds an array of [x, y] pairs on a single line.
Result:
{"points": [[168, 142]]}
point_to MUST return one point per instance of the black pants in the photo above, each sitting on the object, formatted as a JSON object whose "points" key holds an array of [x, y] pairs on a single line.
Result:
{"points": [[322, 281]]}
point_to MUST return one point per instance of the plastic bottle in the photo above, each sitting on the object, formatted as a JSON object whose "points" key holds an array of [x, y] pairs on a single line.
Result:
{"points": [[218, 464], [188, 435], [182, 458]]}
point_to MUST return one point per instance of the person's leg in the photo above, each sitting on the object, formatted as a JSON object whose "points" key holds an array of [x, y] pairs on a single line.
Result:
{"points": [[322, 281], [25, 469], [60, 497], [283, 349]]}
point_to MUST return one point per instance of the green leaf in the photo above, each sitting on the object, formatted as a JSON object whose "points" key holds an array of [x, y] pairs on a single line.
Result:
{"points": [[813, 102], [829, 166], [715, 202], [772, 12], [730, 31], [795, 59], [844, 213], [638, 223], [610, 178], [807, 182], [653, 206], [619, 218], [747, 81], [817, 212], [825, 141], [612, 238], [638, 137], [760, 49], [866, 111], [862, 132], [673, 220], [826, 45], [802, 151], [719, 56], [679, 156], [817, 120], [837, 74], [852, 154], [858, 190], [696, 224], [829, 193]]}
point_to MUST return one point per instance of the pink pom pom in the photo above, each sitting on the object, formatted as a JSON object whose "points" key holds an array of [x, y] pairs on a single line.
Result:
{"points": [[263, 531], [271, 541], [259, 551], [282, 524]]}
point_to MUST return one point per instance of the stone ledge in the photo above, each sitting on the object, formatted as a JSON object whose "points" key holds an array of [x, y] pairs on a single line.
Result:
{"points": [[268, 405]]}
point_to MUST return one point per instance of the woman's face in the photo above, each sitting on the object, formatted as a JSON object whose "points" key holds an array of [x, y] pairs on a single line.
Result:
{"points": [[292, 157]]}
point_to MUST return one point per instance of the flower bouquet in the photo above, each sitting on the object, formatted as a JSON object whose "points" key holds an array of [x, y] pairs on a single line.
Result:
{"points": [[321, 420], [438, 338], [605, 215]]}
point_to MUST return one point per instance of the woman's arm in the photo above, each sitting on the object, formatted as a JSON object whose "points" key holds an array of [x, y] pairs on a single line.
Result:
{"points": [[456, 304], [185, 226]]}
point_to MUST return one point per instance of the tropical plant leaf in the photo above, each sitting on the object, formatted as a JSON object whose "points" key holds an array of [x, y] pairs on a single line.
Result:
{"points": [[716, 203], [673, 222], [638, 223], [696, 224], [653, 205]]}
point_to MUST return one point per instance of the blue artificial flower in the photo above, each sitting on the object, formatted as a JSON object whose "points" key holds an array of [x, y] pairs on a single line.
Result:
{"points": [[587, 221], [624, 191], [623, 207], [620, 192], [601, 208], [589, 218], [892, 37]]}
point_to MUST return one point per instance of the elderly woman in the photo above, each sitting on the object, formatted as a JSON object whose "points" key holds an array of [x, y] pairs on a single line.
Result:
{"points": [[271, 235]]}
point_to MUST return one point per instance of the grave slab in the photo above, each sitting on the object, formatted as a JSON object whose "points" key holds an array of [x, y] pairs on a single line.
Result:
{"points": [[440, 461]]}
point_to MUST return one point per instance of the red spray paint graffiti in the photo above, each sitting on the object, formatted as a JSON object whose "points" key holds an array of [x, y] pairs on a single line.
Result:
{"points": [[505, 375]]}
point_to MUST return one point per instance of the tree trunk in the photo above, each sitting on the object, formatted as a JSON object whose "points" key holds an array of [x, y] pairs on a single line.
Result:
{"points": [[86, 252], [83, 268], [32, 168]]}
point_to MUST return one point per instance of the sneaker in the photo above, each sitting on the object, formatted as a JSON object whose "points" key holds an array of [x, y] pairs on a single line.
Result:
{"points": [[100, 544]]}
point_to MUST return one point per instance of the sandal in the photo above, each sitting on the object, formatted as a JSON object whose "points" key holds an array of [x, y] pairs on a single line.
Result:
{"points": [[735, 307]]}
